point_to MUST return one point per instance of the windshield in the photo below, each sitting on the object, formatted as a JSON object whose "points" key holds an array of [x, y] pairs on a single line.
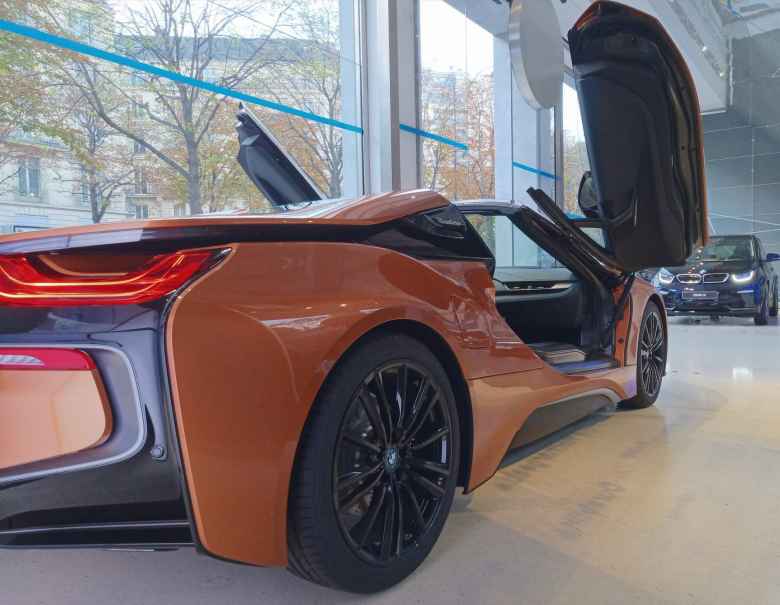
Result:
{"points": [[722, 249]]}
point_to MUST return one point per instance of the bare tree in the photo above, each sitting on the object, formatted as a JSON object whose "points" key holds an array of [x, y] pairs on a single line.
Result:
{"points": [[311, 80], [188, 39], [106, 160], [460, 107]]}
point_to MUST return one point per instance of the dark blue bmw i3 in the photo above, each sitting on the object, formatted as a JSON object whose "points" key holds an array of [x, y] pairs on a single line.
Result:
{"points": [[731, 276]]}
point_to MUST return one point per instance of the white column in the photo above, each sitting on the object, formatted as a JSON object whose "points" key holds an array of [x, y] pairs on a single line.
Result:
{"points": [[352, 175], [502, 108], [382, 133], [406, 35], [391, 85]]}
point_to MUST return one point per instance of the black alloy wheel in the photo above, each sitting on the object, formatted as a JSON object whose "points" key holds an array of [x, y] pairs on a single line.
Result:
{"points": [[651, 359], [376, 468], [762, 317], [393, 462], [652, 356]]}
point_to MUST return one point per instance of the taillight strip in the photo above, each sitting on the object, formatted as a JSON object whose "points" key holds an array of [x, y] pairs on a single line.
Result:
{"points": [[28, 283], [45, 359]]}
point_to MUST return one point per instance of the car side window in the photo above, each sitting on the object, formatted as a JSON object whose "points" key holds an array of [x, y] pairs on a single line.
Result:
{"points": [[511, 247]]}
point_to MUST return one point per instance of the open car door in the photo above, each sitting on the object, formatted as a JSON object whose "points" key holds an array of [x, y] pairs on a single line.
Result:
{"points": [[642, 128], [267, 165]]}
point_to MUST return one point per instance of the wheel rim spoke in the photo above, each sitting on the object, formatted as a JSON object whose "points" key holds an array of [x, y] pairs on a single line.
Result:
{"points": [[369, 520], [421, 419], [426, 465], [384, 405], [400, 396], [360, 493], [437, 436], [363, 442], [353, 479], [427, 484], [399, 534], [417, 403], [387, 531], [418, 515], [372, 411]]}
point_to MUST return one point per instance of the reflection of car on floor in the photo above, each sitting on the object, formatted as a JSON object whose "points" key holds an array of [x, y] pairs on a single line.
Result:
{"points": [[308, 388], [731, 276]]}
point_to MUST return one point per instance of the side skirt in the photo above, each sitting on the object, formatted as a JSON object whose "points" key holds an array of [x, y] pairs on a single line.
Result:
{"points": [[145, 535], [555, 416]]}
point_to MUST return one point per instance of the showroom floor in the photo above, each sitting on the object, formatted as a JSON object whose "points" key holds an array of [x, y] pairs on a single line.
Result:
{"points": [[679, 503]]}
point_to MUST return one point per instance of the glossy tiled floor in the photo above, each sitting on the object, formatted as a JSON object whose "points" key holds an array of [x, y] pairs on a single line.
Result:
{"points": [[679, 503]]}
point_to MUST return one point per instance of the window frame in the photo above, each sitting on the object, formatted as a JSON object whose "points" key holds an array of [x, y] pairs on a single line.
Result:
{"points": [[27, 167]]}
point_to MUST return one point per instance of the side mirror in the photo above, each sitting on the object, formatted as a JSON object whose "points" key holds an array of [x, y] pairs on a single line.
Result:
{"points": [[587, 197], [772, 257]]}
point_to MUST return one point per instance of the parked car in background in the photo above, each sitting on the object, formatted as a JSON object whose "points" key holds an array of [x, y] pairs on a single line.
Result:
{"points": [[729, 276]]}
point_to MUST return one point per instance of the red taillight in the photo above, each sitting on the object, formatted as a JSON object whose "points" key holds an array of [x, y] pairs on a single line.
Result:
{"points": [[27, 282], [45, 359]]}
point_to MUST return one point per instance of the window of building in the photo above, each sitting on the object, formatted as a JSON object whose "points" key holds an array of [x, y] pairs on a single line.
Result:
{"points": [[141, 182], [180, 210], [83, 192], [138, 148], [29, 177], [141, 211]]}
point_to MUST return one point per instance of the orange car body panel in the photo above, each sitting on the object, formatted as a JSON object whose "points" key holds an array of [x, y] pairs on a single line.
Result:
{"points": [[501, 404], [250, 344], [44, 415]]}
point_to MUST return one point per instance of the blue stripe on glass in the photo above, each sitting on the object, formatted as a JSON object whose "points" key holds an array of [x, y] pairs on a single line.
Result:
{"points": [[528, 168], [434, 137], [85, 49]]}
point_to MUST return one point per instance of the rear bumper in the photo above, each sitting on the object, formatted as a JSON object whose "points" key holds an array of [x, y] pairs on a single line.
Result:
{"points": [[124, 489]]}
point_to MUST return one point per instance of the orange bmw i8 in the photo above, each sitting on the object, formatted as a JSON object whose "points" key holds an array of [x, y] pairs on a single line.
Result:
{"points": [[308, 388]]}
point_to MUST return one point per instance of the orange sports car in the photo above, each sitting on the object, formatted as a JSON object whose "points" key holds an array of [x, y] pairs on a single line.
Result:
{"points": [[308, 388]]}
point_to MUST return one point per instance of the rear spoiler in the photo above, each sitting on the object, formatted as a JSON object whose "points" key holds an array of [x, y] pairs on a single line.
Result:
{"points": [[268, 166]]}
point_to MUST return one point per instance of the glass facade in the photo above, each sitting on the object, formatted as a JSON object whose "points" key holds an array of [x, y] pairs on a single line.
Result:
{"points": [[114, 110]]}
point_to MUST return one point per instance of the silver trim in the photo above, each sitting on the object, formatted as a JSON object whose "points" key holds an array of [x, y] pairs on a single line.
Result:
{"points": [[93, 527], [121, 456], [715, 278], [689, 278], [609, 394]]}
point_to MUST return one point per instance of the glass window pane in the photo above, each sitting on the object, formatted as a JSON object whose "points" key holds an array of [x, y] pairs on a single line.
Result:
{"points": [[456, 101], [511, 247], [575, 152], [173, 144]]}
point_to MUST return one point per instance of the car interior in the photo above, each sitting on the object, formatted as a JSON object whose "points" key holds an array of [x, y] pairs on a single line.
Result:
{"points": [[544, 302]]}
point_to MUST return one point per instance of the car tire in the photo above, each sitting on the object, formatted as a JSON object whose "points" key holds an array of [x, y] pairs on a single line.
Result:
{"points": [[762, 317], [651, 359], [775, 303], [370, 542]]}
